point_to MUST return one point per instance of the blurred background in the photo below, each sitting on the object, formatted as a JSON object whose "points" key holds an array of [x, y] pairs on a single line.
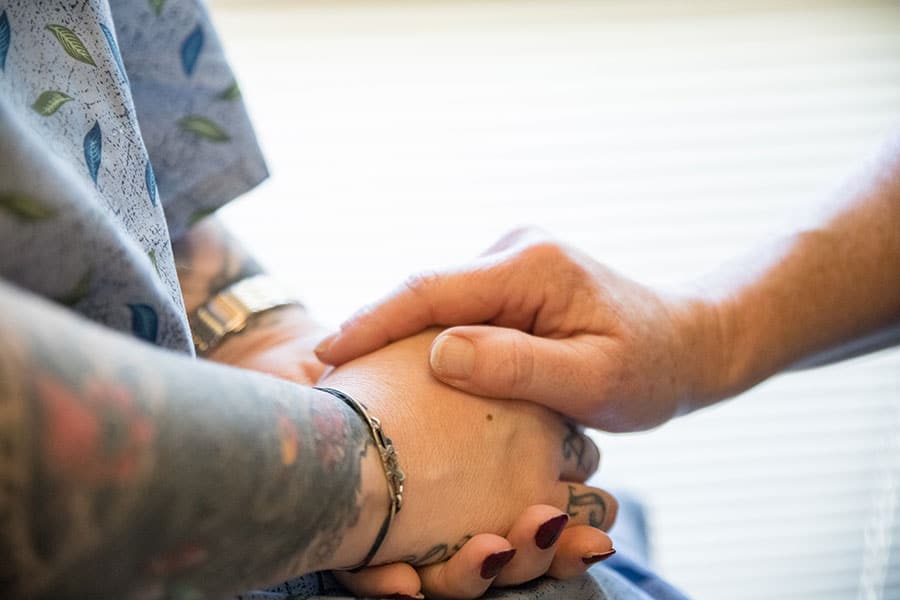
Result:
{"points": [[661, 137]]}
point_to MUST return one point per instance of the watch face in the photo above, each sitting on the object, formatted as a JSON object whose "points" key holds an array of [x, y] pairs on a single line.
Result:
{"points": [[230, 310]]}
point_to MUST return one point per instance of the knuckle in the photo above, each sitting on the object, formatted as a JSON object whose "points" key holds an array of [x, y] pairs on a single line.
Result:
{"points": [[594, 455], [360, 317], [419, 286], [544, 251], [520, 375], [423, 280]]}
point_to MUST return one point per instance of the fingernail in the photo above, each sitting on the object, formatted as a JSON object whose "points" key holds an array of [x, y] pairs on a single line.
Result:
{"points": [[325, 344], [403, 597], [494, 563], [548, 533], [453, 357], [597, 557]]}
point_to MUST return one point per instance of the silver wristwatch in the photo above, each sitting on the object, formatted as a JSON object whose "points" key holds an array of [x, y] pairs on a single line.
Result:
{"points": [[230, 310]]}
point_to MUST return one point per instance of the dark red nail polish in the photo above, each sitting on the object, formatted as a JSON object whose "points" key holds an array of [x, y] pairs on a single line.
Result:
{"points": [[401, 597], [595, 558], [548, 533], [493, 564]]}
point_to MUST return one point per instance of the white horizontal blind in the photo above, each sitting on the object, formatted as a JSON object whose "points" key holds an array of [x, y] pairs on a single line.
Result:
{"points": [[662, 140]]}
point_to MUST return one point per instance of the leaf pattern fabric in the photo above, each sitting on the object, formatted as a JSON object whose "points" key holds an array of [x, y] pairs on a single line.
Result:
{"points": [[114, 135], [204, 128], [157, 6], [5, 38], [114, 48], [93, 150], [24, 207], [150, 181], [49, 102], [72, 44], [144, 322], [190, 50]]}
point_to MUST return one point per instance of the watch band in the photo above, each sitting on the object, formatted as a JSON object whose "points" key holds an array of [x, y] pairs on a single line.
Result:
{"points": [[230, 310]]}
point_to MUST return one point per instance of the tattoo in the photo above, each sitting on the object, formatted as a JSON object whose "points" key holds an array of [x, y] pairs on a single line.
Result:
{"points": [[208, 259], [575, 445], [436, 553], [590, 501], [121, 476]]}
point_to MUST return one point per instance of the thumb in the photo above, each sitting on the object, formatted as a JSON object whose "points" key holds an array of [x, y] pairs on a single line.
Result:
{"points": [[562, 374]]}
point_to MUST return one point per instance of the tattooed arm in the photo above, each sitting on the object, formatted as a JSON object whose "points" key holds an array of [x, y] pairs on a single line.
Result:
{"points": [[129, 471], [280, 341]]}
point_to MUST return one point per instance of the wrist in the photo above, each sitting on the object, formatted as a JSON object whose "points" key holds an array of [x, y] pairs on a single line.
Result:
{"points": [[405, 534], [374, 503], [710, 344], [266, 330], [235, 308], [394, 477]]}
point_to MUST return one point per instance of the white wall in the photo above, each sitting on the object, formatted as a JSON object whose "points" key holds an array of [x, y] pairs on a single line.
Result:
{"points": [[405, 135]]}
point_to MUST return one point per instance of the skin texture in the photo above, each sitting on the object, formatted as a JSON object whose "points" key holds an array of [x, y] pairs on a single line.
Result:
{"points": [[121, 477], [533, 319], [281, 343]]}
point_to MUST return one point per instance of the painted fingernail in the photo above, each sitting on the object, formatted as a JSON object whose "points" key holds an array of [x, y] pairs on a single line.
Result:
{"points": [[453, 357], [548, 533], [597, 557], [325, 344], [494, 563]]}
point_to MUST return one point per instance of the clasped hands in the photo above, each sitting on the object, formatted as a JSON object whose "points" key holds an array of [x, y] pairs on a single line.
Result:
{"points": [[533, 320], [484, 477]]}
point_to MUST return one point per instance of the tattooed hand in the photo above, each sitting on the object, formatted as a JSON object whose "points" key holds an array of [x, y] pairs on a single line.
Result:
{"points": [[472, 464]]}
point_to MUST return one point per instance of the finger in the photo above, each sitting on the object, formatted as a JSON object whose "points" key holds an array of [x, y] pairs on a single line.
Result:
{"points": [[580, 455], [561, 374], [469, 572], [313, 369], [396, 580], [579, 547], [469, 295], [587, 505], [534, 536]]}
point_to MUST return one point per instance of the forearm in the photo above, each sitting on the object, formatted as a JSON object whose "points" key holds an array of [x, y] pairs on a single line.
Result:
{"points": [[829, 291], [125, 468]]}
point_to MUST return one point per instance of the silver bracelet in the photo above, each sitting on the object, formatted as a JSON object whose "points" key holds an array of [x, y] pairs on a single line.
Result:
{"points": [[392, 472]]}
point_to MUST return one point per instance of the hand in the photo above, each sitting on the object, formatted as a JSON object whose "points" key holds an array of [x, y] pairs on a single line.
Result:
{"points": [[473, 465], [279, 342], [565, 332]]}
